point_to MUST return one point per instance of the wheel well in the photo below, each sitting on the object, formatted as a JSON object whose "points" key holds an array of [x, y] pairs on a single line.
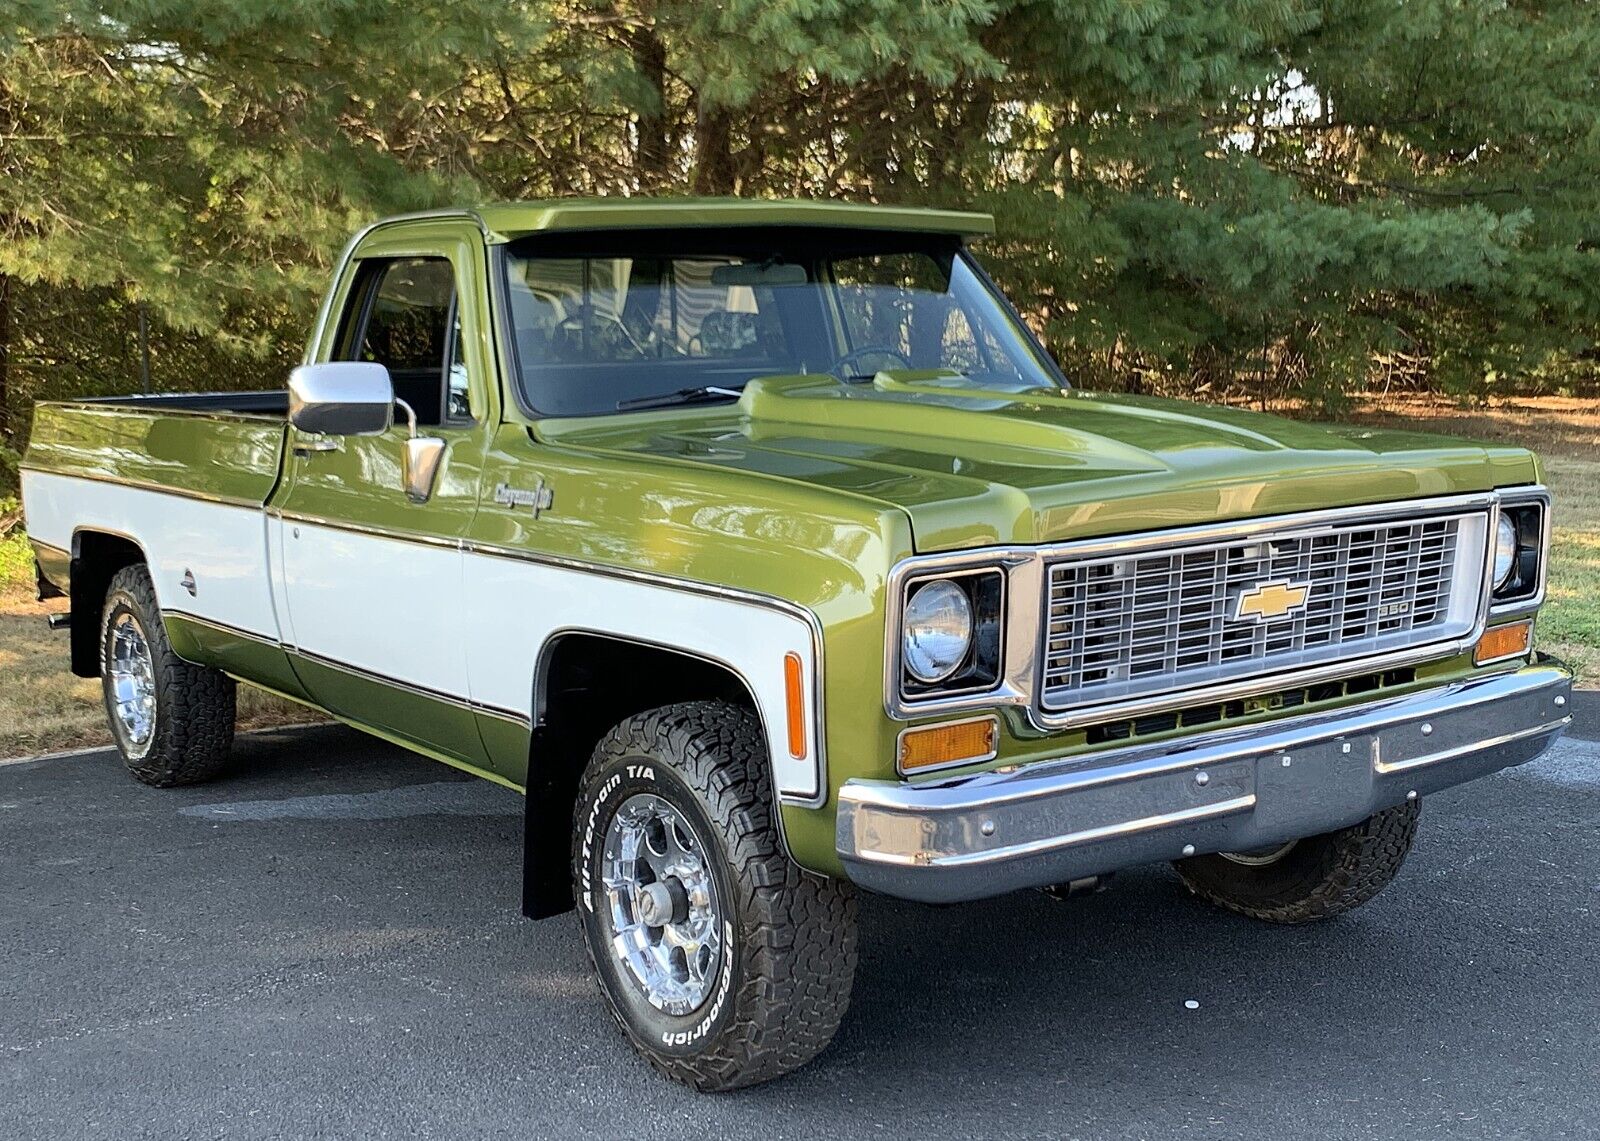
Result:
{"points": [[96, 559], [586, 684]]}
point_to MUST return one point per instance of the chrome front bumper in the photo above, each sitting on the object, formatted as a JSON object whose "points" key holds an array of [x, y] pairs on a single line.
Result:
{"points": [[1237, 790]]}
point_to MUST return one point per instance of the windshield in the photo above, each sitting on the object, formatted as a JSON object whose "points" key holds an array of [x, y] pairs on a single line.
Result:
{"points": [[597, 333]]}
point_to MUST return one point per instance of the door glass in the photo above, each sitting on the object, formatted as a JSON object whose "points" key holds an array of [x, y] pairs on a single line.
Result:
{"points": [[458, 404], [407, 330]]}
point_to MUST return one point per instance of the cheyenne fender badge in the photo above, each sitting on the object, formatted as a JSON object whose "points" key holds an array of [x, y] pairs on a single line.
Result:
{"points": [[540, 497]]}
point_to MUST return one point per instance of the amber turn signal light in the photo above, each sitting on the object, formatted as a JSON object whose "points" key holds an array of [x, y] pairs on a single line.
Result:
{"points": [[794, 698], [953, 743], [1509, 641]]}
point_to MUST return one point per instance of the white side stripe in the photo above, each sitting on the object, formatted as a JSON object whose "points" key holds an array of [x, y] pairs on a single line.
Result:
{"points": [[221, 545], [464, 624], [515, 606]]}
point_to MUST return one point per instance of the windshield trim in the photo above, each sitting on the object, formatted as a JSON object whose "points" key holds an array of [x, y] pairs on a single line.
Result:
{"points": [[1012, 314]]}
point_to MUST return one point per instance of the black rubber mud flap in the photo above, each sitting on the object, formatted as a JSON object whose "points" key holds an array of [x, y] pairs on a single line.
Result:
{"points": [[44, 588], [547, 836]]}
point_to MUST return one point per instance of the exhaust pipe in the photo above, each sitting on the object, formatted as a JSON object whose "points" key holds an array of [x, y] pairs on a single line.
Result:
{"points": [[1088, 885], [58, 621]]}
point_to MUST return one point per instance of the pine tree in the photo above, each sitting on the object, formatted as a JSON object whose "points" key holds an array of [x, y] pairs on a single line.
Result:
{"points": [[1272, 197]]}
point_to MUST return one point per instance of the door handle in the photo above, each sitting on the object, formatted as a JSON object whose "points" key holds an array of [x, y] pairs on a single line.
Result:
{"points": [[309, 446]]}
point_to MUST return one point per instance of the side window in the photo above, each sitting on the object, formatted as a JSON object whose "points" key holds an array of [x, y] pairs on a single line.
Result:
{"points": [[457, 404], [403, 316]]}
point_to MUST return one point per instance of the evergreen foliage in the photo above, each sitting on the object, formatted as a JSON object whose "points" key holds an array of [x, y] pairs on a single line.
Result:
{"points": [[1276, 198]]}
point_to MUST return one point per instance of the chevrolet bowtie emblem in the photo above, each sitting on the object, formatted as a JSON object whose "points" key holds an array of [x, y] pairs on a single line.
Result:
{"points": [[1271, 600]]}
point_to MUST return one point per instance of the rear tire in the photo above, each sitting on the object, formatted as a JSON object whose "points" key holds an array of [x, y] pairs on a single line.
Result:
{"points": [[1310, 879], [172, 720], [722, 960]]}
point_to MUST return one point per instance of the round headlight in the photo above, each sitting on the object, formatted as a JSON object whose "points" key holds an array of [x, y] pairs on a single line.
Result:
{"points": [[937, 631], [1505, 551]]}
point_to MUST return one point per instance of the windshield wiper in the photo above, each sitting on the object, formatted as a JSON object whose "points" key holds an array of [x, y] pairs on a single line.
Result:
{"points": [[893, 373], [682, 396]]}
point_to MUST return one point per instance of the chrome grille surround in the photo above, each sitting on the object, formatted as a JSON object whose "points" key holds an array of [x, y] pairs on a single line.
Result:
{"points": [[1029, 569], [1119, 627]]}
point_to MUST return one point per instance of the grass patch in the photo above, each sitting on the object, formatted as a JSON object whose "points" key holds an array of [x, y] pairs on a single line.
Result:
{"points": [[1569, 625], [42, 706], [16, 557]]}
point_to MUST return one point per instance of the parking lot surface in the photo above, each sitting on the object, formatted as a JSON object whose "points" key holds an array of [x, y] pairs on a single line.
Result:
{"points": [[327, 945]]}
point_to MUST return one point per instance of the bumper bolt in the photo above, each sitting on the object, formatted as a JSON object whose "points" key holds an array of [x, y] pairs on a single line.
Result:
{"points": [[1202, 779], [1188, 849], [987, 827], [1427, 728], [1560, 700], [1412, 795]]}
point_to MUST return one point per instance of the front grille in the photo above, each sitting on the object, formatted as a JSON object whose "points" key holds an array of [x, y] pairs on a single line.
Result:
{"points": [[1220, 713], [1133, 626]]}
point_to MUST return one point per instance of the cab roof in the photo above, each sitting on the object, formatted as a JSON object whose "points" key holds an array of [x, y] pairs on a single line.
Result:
{"points": [[517, 219]]}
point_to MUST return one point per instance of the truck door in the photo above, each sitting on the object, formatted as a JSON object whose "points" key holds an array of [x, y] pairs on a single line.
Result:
{"points": [[372, 579]]}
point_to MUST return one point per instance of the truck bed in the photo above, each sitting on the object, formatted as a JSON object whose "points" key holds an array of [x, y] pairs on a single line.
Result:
{"points": [[183, 478], [221, 446]]}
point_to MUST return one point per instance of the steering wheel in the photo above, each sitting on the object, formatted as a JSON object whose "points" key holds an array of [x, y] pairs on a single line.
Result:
{"points": [[837, 368], [602, 320]]}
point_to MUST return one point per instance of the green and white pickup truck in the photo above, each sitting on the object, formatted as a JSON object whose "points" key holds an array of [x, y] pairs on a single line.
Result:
{"points": [[763, 547]]}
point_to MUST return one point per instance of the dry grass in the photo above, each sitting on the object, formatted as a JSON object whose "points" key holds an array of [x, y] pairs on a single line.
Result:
{"points": [[1550, 425], [42, 707]]}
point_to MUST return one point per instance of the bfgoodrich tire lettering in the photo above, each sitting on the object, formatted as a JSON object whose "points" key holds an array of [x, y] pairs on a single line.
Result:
{"points": [[788, 952], [191, 731], [1314, 878]]}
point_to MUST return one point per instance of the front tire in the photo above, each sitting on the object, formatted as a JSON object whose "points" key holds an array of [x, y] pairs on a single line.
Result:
{"points": [[1310, 879], [722, 960], [172, 720]]}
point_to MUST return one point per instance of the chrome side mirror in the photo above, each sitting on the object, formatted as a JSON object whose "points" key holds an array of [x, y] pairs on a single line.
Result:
{"points": [[341, 398], [422, 457]]}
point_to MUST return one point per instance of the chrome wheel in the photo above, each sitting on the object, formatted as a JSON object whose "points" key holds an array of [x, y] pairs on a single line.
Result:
{"points": [[133, 683], [1261, 857], [664, 915]]}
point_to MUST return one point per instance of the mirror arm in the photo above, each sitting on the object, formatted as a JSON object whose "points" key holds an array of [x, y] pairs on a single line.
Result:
{"points": [[420, 458], [411, 418]]}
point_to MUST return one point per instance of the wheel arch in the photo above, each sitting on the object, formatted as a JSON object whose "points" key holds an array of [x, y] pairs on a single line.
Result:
{"points": [[97, 556], [573, 708]]}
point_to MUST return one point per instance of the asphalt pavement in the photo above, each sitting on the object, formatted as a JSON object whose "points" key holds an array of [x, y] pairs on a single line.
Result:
{"points": [[326, 944]]}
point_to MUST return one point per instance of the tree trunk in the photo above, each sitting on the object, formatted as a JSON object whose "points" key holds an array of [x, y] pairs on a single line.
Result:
{"points": [[653, 152], [713, 151], [5, 358]]}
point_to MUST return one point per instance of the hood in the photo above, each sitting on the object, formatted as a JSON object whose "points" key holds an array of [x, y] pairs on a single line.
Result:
{"points": [[978, 467]]}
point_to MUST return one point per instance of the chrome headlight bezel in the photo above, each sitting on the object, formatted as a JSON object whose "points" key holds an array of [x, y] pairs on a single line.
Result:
{"points": [[984, 588], [1522, 591]]}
